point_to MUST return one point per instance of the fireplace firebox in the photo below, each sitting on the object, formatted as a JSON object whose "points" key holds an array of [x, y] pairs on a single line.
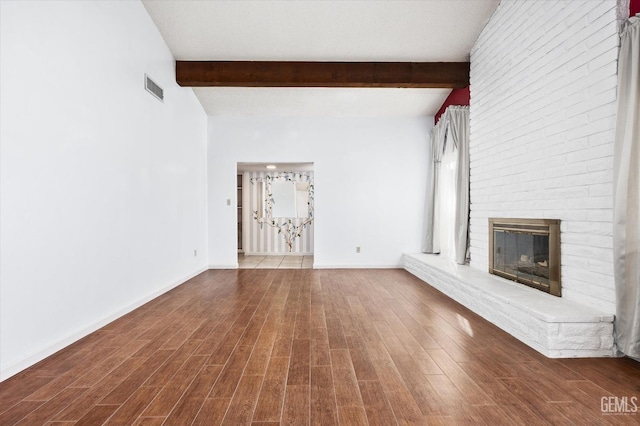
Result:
{"points": [[526, 251]]}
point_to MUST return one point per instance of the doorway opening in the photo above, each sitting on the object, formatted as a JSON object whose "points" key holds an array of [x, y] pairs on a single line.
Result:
{"points": [[275, 224]]}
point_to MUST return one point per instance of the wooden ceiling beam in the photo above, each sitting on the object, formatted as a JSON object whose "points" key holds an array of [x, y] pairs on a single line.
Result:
{"points": [[448, 75]]}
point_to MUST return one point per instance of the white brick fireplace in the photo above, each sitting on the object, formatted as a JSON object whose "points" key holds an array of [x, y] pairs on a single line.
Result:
{"points": [[543, 92]]}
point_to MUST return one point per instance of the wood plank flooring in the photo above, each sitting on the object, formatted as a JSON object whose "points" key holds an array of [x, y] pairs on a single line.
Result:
{"points": [[309, 347]]}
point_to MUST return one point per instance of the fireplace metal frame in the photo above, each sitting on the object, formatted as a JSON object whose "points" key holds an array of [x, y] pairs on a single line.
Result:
{"points": [[549, 227]]}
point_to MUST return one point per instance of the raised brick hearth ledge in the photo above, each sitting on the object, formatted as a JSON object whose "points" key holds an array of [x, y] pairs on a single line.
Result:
{"points": [[555, 327]]}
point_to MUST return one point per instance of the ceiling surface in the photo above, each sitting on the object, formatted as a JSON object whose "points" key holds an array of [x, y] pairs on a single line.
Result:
{"points": [[308, 30], [280, 167]]}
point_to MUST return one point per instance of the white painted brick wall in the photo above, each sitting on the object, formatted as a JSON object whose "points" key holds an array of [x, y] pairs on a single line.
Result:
{"points": [[543, 92]]}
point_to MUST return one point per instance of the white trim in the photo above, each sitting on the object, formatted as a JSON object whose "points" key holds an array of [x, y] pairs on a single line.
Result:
{"points": [[50, 350], [232, 266]]}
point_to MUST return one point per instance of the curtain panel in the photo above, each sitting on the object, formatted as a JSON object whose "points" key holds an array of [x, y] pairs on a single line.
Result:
{"points": [[626, 233], [450, 133], [427, 234], [459, 131], [436, 148]]}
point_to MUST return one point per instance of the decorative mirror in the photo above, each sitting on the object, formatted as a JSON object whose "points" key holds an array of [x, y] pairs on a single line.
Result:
{"points": [[286, 199]]}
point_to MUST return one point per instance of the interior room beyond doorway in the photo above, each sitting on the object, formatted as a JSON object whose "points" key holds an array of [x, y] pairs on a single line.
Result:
{"points": [[275, 215]]}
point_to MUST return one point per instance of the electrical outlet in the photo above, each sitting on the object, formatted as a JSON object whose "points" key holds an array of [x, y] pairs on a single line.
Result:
{"points": [[228, 201], [357, 249], [195, 253]]}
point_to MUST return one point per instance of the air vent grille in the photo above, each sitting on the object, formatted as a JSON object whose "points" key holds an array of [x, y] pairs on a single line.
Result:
{"points": [[153, 88]]}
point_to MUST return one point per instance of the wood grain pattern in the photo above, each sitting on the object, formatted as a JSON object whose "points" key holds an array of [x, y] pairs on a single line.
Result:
{"points": [[323, 402], [322, 74], [301, 347], [269, 408], [296, 405]]}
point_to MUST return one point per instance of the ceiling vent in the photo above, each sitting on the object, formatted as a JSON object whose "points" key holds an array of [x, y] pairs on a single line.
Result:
{"points": [[153, 88]]}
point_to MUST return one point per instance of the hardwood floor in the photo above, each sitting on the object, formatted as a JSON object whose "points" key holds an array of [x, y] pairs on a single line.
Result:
{"points": [[301, 346]]}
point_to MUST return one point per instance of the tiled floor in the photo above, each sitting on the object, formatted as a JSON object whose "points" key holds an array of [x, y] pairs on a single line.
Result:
{"points": [[275, 262]]}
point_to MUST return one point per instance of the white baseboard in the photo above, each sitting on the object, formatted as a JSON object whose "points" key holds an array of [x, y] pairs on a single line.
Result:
{"points": [[234, 266], [50, 350]]}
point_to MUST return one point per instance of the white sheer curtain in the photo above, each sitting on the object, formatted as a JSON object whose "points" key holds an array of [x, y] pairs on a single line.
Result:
{"points": [[447, 214], [626, 233], [459, 133], [431, 242], [446, 203]]}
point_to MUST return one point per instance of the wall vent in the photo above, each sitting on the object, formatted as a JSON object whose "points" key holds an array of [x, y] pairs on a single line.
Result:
{"points": [[153, 88]]}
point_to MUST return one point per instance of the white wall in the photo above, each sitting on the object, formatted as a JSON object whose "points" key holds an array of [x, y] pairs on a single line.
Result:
{"points": [[369, 177], [543, 91], [103, 187]]}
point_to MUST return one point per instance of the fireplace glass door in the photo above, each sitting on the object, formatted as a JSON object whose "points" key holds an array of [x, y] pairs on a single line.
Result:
{"points": [[526, 253]]}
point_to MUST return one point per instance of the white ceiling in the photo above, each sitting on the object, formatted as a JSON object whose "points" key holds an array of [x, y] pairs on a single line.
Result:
{"points": [[316, 30], [280, 167]]}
